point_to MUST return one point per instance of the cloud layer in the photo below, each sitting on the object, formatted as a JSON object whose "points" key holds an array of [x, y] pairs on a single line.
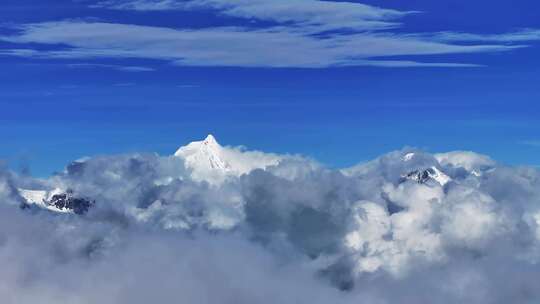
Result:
{"points": [[231, 46], [293, 232], [299, 34], [317, 15]]}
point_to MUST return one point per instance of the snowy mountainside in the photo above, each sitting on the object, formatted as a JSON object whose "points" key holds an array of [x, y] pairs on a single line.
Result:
{"points": [[209, 161]]}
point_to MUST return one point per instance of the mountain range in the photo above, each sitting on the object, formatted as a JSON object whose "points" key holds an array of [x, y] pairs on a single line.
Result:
{"points": [[208, 161]]}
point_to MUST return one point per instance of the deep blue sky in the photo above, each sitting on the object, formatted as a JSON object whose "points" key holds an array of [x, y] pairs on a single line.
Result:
{"points": [[60, 108]]}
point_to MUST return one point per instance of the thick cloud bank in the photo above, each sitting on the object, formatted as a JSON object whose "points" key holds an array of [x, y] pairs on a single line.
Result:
{"points": [[291, 231]]}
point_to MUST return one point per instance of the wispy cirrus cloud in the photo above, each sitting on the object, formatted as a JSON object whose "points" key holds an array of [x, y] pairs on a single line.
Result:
{"points": [[301, 34], [523, 35], [313, 14], [231, 46], [530, 143], [112, 66]]}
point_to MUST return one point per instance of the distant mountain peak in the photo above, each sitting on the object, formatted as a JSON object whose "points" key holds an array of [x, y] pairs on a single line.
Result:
{"points": [[204, 156], [209, 161], [57, 200], [427, 175], [210, 140]]}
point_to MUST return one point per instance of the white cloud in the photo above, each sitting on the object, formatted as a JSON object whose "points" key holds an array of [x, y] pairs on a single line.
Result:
{"points": [[112, 66], [518, 36], [309, 14], [367, 240], [470, 217], [532, 143], [534, 222], [300, 34], [296, 226], [229, 46], [408, 64], [466, 159]]}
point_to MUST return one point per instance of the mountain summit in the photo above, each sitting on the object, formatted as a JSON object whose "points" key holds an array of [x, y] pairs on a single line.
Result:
{"points": [[211, 162], [206, 155], [426, 176], [56, 200]]}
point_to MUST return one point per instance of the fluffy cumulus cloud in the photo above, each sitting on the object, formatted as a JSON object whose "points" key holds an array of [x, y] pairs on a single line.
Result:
{"points": [[261, 33], [286, 231]]}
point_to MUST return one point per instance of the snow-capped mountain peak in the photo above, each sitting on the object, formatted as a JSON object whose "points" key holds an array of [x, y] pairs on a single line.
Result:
{"points": [[211, 162], [56, 200], [427, 175], [205, 155], [210, 140]]}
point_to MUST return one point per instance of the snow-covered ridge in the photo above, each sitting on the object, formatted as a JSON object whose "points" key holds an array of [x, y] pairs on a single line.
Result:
{"points": [[211, 162], [39, 197], [427, 175], [204, 155], [208, 161], [56, 200]]}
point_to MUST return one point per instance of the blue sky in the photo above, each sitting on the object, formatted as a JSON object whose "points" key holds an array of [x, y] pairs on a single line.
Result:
{"points": [[341, 82]]}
